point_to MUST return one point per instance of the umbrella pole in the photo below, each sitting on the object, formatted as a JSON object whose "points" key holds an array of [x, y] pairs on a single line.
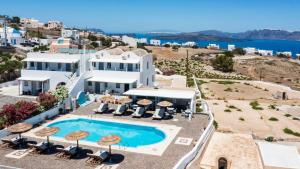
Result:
{"points": [[20, 136], [77, 144], [110, 159]]}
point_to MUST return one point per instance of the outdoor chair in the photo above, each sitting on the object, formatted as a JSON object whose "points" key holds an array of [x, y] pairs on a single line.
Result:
{"points": [[102, 108], [67, 152], [159, 114], [97, 158], [139, 112], [120, 110]]}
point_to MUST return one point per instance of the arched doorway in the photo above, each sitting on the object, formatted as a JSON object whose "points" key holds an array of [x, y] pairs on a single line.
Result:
{"points": [[222, 163], [60, 84]]}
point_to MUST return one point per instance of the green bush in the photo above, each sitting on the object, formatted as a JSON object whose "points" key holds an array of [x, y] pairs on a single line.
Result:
{"points": [[255, 105], [228, 89], [273, 119], [287, 115], [291, 132], [223, 62], [272, 106], [295, 118], [216, 125], [270, 139], [241, 119], [227, 110]]}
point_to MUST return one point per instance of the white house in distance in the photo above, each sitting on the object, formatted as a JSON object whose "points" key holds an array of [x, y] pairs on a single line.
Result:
{"points": [[13, 36], [189, 44], [44, 71], [129, 40], [265, 52], [231, 47], [250, 50], [142, 40], [70, 33], [155, 42], [31, 23], [55, 25], [289, 54], [213, 46]]}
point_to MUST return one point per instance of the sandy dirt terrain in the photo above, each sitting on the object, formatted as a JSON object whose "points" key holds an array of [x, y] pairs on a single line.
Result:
{"points": [[234, 113]]}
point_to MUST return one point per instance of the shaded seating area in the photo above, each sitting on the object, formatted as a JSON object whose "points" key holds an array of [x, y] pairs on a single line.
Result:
{"points": [[102, 108], [120, 109], [160, 112], [142, 107], [44, 146]]}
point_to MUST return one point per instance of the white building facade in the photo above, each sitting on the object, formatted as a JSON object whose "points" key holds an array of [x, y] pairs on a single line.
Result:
{"points": [[55, 25], [231, 47], [129, 41], [107, 71], [13, 36], [70, 33]]}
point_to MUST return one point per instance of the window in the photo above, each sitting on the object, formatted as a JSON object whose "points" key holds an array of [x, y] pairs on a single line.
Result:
{"points": [[31, 64], [147, 81], [137, 66], [147, 65], [134, 85], [89, 83], [153, 78], [121, 65], [101, 66], [46, 65], [94, 64], [129, 67], [25, 65], [118, 85], [105, 85], [25, 83], [68, 67], [59, 66], [108, 65]]}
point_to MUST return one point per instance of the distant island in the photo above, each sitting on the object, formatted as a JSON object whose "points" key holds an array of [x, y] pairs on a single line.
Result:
{"points": [[215, 35]]}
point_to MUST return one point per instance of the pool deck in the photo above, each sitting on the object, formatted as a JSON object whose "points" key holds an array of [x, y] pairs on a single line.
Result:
{"points": [[171, 155]]}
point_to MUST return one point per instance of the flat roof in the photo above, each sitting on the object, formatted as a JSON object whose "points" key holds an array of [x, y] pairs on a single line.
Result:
{"points": [[162, 92], [52, 60], [32, 78], [115, 59], [112, 79], [276, 155]]}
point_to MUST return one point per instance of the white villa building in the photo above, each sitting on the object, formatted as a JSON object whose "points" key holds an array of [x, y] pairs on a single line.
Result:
{"points": [[70, 33], [129, 40], [189, 44], [112, 71], [231, 47], [107, 71]]}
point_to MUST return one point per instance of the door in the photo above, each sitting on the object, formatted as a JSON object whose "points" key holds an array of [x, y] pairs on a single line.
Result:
{"points": [[33, 88], [97, 87], [126, 87], [39, 66]]}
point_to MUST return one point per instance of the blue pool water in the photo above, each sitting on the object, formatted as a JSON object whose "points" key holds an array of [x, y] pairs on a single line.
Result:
{"points": [[131, 135], [82, 99]]}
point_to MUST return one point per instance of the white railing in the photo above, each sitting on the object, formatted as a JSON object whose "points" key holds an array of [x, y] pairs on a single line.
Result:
{"points": [[203, 139]]}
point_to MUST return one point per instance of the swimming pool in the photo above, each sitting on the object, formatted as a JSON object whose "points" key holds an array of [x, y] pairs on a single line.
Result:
{"points": [[83, 99], [131, 135]]}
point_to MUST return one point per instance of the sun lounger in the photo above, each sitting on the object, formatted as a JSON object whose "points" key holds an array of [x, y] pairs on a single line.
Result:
{"points": [[97, 158], [159, 113], [14, 142], [41, 147], [102, 108], [67, 152], [120, 110], [139, 112]]}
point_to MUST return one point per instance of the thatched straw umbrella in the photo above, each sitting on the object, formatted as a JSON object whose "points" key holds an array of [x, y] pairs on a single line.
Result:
{"points": [[144, 102], [107, 98], [19, 128], [76, 136], [165, 104], [109, 140], [125, 100], [47, 132]]}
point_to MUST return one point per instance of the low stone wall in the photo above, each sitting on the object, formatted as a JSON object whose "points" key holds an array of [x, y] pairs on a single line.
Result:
{"points": [[35, 119]]}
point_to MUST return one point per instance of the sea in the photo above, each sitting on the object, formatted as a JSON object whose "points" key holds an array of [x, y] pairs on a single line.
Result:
{"points": [[275, 45]]}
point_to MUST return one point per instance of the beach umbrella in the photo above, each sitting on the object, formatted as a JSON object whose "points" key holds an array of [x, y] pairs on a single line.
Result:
{"points": [[125, 100], [19, 128], [109, 140], [144, 102], [47, 132], [76, 136], [107, 98], [165, 104]]}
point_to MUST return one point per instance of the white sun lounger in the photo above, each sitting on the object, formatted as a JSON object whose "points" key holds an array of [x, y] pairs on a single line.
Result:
{"points": [[159, 113], [139, 112], [102, 108], [120, 109]]}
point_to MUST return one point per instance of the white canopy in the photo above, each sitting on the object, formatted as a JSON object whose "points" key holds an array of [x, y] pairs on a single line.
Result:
{"points": [[117, 59], [32, 78], [52, 60], [112, 79], [279, 156], [163, 93]]}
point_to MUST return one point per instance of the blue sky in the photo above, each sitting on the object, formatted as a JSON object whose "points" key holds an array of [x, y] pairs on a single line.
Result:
{"points": [[152, 15]]}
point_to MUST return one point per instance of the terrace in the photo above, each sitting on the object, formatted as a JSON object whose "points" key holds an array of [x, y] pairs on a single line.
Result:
{"points": [[181, 144]]}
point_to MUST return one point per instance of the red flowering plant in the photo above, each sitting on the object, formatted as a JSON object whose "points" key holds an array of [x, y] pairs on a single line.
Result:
{"points": [[9, 113], [26, 109], [47, 100]]}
